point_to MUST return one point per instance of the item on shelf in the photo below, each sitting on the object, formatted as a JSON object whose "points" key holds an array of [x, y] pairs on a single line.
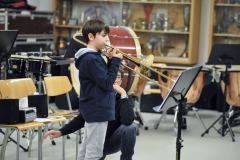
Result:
{"points": [[148, 11], [66, 11], [143, 25], [237, 19], [152, 46], [125, 14], [186, 18], [162, 19], [99, 11], [166, 24], [153, 25], [225, 22], [162, 44], [135, 25], [114, 21], [73, 21]]}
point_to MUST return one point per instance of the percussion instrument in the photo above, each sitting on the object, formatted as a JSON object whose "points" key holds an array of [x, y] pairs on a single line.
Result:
{"points": [[17, 65], [28, 63], [233, 89], [38, 65], [173, 72]]}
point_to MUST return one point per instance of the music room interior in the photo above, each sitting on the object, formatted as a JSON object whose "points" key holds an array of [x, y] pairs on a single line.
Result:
{"points": [[119, 79]]}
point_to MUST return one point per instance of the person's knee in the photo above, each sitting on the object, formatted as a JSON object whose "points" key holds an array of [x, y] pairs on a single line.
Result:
{"points": [[131, 129]]}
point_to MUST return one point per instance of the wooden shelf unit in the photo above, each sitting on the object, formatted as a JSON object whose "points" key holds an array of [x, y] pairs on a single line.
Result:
{"points": [[184, 44], [224, 23]]}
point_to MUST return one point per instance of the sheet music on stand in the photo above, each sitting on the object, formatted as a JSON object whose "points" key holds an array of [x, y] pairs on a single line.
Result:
{"points": [[182, 85]]}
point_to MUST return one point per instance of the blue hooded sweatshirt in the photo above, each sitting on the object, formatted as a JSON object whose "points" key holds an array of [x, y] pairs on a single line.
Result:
{"points": [[97, 97]]}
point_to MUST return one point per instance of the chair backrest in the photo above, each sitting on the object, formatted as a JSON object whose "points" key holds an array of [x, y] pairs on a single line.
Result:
{"points": [[17, 88], [75, 79], [57, 85]]}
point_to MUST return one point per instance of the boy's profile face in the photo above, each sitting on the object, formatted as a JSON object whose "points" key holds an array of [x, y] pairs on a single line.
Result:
{"points": [[100, 40]]}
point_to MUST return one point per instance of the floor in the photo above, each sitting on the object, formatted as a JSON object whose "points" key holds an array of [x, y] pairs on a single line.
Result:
{"points": [[157, 144]]}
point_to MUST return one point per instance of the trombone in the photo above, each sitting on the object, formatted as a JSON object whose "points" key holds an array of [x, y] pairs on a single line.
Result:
{"points": [[135, 60]]}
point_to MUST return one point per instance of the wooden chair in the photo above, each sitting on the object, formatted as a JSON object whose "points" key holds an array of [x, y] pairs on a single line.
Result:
{"points": [[58, 85], [17, 88], [75, 79], [55, 86]]}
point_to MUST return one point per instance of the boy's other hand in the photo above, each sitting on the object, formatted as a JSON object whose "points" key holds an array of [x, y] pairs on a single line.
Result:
{"points": [[52, 134], [116, 53], [109, 52]]}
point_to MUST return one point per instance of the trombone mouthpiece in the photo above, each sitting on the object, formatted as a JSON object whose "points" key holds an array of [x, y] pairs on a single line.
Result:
{"points": [[108, 46]]}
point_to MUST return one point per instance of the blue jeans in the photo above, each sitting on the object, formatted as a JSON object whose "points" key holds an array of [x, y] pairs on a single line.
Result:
{"points": [[123, 139]]}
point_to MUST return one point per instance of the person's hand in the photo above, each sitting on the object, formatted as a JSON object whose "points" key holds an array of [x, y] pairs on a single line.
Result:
{"points": [[52, 134], [109, 52], [117, 53], [119, 90]]}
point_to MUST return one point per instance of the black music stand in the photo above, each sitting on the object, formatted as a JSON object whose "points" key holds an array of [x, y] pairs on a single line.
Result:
{"points": [[7, 39], [176, 97], [226, 55]]}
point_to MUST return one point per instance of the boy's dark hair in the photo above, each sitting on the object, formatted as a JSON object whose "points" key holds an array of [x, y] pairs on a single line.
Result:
{"points": [[93, 26]]}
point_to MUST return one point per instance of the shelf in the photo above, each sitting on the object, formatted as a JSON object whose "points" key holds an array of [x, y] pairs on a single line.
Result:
{"points": [[157, 2], [163, 32], [141, 1], [67, 26], [175, 9], [173, 60], [226, 35], [116, 1], [226, 5]]}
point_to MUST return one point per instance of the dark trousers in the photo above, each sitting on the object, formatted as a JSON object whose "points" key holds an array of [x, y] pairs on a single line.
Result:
{"points": [[123, 139]]}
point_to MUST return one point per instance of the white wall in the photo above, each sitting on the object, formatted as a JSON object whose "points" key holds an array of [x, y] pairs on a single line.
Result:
{"points": [[42, 5], [204, 32]]}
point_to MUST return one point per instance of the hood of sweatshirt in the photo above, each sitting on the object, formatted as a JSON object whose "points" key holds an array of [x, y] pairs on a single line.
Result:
{"points": [[80, 54]]}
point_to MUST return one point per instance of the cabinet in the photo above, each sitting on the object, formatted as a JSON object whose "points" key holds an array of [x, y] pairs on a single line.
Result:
{"points": [[168, 29], [224, 22]]}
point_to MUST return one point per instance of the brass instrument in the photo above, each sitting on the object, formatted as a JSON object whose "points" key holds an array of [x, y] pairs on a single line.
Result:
{"points": [[137, 61]]}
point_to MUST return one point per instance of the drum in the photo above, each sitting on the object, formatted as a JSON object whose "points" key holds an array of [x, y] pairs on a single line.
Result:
{"points": [[16, 66], [195, 90], [38, 65], [233, 89], [125, 40]]}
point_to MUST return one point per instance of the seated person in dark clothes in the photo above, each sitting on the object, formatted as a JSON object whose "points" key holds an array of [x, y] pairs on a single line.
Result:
{"points": [[121, 132]]}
